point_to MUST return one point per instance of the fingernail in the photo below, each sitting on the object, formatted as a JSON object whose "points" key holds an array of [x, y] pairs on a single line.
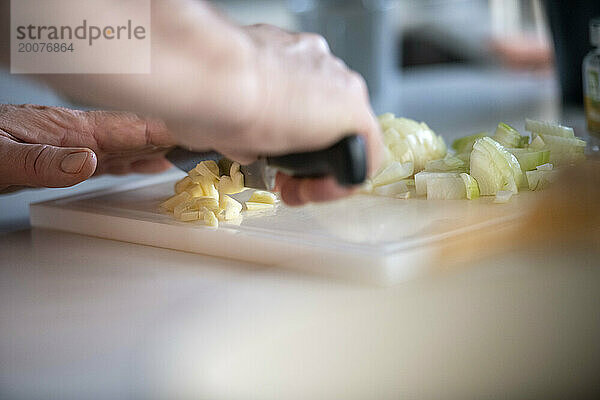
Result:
{"points": [[73, 163]]}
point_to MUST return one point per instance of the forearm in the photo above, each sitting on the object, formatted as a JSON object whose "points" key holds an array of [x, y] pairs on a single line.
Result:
{"points": [[245, 92], [201, 68]]}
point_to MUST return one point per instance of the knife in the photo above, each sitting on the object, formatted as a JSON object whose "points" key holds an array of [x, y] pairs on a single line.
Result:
{"points": [[346, 161]]}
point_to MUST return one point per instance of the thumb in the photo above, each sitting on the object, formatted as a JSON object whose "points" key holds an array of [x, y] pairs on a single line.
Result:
{"points": [[44, 165]]}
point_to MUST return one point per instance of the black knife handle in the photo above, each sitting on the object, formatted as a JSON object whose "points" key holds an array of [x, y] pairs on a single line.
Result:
{"points": [[346, 161]]}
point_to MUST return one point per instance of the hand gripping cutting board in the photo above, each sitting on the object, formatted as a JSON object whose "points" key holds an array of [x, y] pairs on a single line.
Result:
{"points": [[368, 238]]}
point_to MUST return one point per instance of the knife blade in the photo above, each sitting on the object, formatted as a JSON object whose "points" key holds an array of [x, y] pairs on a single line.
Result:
{"points": [[346, 161]]}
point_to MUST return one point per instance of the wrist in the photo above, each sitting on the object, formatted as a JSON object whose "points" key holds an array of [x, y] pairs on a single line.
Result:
{"points": [[256, 78], [224, 96]]}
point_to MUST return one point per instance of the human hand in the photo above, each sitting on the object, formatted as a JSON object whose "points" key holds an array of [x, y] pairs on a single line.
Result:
{"points": [[58, 147], [242, 91], [524, 53], [308, 100]]}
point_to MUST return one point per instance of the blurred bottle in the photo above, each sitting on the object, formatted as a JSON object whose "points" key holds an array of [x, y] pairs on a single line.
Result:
{"points": [[360, 32], [569, 21], [591, 80]]}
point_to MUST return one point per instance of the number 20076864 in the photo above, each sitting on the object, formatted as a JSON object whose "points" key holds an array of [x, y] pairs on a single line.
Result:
{"points": [[45, 47]]}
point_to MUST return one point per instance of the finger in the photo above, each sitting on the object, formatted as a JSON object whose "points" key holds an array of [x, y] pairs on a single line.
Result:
{"points": [[374, 141], [122, 166], [120, 131], [280, 180], [150, 166], [296, 192], [42, 165], [238, 156]]}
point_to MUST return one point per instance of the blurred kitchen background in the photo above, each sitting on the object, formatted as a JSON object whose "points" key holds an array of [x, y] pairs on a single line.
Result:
{"points": [[461, 66], [451, 63]]}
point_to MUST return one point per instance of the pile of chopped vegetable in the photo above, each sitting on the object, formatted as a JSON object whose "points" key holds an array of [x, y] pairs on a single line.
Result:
{"points": [[417, 161], [204, 195]]}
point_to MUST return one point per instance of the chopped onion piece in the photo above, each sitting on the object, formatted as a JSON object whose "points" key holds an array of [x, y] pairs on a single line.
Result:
{"points": [[207, 202], [548, 128], [183, 206], [195, 190], [366, 187], [182, 184], [446, 188], [403, 196], [238, 181], [393, 173], [537, 143], [231, 185], [391, 189], [565, 150], [234, 169], [540, 179], [210, 218], [494, 168], [530, 159], [209, 169], [422, 177], [465, 144], [447, 164], [471, 186], [557, 141], [507, 136], [230, 206], [407, 140], [524, 141], [261, 196], [409, 182], [189, 215], [174, 201], [503, 196], [386, 119], [253, 206]]}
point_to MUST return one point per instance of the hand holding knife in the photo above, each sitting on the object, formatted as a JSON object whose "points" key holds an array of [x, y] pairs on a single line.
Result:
{"points": [[346, 161]]}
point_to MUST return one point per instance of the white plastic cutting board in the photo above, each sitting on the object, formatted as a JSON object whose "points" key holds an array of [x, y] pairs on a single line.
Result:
{"points": [[369, 238]]}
